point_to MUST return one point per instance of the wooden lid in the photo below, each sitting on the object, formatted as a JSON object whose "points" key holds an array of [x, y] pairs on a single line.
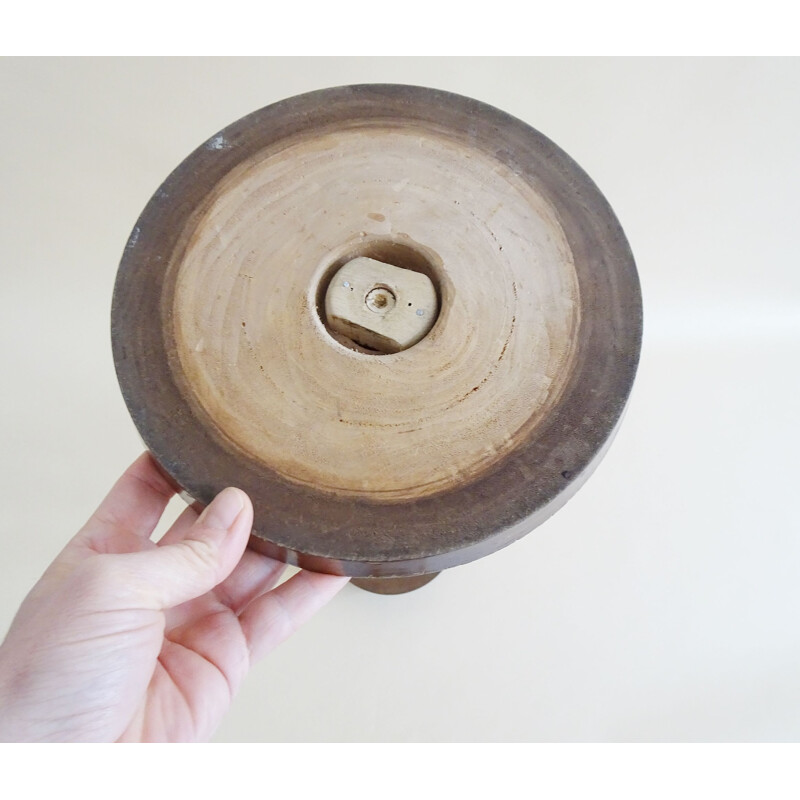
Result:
{"points": [[373, 463]]}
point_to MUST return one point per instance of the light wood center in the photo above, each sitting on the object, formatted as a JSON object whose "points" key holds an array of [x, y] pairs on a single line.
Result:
{"points": [[255, 357]]}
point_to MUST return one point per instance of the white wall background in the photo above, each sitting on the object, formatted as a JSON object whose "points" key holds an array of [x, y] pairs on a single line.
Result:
{"points": [[663, 602]]}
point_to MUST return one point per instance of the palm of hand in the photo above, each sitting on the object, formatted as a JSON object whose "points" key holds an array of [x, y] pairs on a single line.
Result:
{"points": [[125, 639], [205, 653]]}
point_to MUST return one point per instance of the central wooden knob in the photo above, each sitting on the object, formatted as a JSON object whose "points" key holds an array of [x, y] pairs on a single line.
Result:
{"points": [[379, 306]]}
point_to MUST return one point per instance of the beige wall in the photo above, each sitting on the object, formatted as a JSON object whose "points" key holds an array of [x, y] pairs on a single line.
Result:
{"points": [[663, 601]]}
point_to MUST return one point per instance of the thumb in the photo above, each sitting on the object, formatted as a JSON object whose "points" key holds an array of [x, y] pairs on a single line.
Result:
{"points": [[192, 565]]}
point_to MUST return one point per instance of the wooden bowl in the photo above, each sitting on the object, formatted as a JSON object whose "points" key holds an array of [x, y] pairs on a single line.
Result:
{"points": [[364, 463]]}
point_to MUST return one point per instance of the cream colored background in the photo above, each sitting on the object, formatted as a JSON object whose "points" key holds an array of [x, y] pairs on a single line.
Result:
{"points": [[663, 602]]}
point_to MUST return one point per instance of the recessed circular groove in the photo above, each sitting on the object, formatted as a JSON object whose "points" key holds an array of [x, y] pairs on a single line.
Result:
{"points": [[379, 299]]}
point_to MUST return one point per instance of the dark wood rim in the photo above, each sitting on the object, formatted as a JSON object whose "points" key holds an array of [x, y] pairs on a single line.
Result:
{"points": [[320, 531]]}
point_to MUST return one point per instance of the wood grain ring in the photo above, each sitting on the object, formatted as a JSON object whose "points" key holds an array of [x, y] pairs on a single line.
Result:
{"points": [[354, 532]]}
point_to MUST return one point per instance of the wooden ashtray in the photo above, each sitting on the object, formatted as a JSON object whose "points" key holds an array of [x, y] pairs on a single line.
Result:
{"points": [[404, 322]]}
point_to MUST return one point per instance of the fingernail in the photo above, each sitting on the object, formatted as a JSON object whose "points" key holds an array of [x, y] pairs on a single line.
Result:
{"points": [[223, 510]]}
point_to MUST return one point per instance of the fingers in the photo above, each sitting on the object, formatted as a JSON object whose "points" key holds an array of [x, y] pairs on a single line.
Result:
{"points": [[254, 575], [274, 616], [181, 526], [134, 505], [192, 564]]}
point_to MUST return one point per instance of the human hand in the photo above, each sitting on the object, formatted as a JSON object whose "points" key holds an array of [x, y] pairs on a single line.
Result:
{"points": [[123, 639]]}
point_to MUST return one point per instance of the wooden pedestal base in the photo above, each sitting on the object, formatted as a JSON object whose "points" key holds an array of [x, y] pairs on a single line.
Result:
{"points": [[393, 585]]}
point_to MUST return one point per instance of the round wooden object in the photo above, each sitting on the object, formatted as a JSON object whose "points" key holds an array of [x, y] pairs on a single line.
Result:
{"points": [[358, 461]]}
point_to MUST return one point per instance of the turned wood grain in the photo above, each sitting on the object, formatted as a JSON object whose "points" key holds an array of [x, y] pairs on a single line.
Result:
{"points": [[255, 357]]}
